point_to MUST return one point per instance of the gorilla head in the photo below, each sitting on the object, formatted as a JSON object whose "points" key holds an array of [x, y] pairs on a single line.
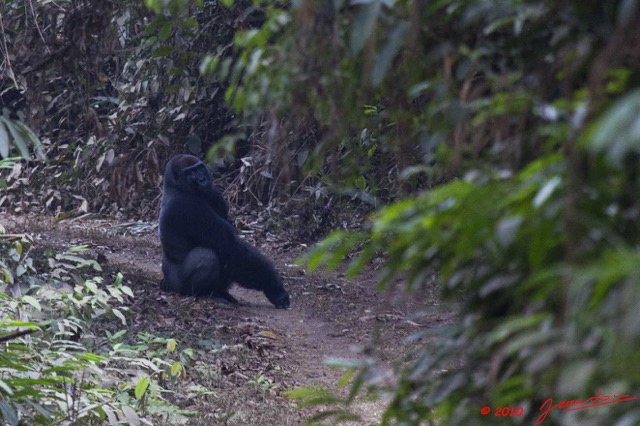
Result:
{"points": [[202, 255], [185, 173]]}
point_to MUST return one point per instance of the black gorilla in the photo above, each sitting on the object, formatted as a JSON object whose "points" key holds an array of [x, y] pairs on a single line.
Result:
{"points": [[202, 256]]}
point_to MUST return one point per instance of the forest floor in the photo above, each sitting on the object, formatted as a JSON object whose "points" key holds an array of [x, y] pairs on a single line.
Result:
{"points": [[248, 356]]}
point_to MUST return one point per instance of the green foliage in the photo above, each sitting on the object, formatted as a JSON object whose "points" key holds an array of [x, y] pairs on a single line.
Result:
{"points": [[419, 124], [174, 7], [19, 135], [249, 84], [535, 245], [521, 114], [295, 72], [134, 73], [262, 383], [618, 133], [53, 371], [339, 411], [533, 325]]}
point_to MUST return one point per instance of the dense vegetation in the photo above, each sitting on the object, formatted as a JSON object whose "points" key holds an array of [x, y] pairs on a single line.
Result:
{"points": [[54, 369], [502, 138]]}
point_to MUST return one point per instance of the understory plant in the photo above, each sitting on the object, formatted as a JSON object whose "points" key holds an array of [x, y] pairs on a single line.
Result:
{"points": [[541, 267], [54, 367]]}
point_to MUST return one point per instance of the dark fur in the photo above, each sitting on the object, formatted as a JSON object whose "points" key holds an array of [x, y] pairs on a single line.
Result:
{"points": [[202, 256]]}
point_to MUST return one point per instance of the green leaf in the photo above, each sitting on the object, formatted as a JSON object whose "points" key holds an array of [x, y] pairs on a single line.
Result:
{"points": [[162, 51], [154, 5], [311, 396], [165, 31], [363, 24], [79, 249], [498, 24], [31, 301], [514, 325], [120, 316], [9, 413], [118, 334], [176, 368], [131, 415], [33, 138], [118, 280], [346, 378], [545, 192], [91, 286], [18, 140], [171, 345], [209, 65], [4, 141], [617, 133], [191, 23], [141, 387], [385, 57]]}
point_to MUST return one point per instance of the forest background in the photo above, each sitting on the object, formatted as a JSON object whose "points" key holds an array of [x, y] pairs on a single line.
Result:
{"points": [[494, 146]]}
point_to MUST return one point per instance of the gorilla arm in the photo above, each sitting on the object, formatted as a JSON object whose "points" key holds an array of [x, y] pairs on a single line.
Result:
{"points": [[241, 263], [251, 269]]}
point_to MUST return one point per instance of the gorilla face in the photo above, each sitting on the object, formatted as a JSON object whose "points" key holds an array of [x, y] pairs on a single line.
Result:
{"points": [[187, 173], [198, 176]]}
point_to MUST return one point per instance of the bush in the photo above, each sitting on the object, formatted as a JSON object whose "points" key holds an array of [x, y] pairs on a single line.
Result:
{"points": [[50, 372], [542, 269]]}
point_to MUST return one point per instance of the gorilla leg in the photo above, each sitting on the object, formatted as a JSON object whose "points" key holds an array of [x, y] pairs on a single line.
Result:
{"points": [[171, 273], [250, 269], [199, 275]]}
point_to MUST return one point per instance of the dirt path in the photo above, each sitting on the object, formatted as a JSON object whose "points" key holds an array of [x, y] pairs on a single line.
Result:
{"points": [[261, 351]]}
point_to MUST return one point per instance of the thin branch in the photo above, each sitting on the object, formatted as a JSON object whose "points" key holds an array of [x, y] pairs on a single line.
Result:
{"points": [[17, 334]]}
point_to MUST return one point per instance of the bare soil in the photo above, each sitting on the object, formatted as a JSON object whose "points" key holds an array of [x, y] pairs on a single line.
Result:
{"points": [[248, 356]]}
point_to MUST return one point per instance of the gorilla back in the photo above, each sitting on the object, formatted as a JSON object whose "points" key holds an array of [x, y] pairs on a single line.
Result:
{"points": [[202, 256]]}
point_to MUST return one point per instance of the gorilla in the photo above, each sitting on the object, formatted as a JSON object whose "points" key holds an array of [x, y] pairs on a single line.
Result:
{"points": [[201, 254]]}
